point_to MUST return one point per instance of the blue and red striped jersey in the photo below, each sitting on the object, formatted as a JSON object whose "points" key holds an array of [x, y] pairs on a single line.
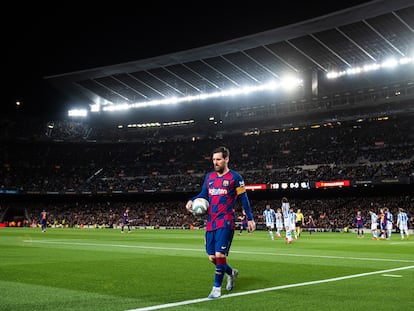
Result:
{"points": [[222, 192]]}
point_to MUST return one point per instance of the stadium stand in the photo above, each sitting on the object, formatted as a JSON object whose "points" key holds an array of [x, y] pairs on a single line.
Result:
{"points": [[354, 134]]}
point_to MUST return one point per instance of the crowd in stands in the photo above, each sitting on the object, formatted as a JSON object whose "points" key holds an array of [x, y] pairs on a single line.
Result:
{"points": [[46, 161], [329, 214], [354, 150]]}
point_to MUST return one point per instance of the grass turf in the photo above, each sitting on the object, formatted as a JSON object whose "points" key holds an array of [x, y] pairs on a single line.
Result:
{"points": [[102, 269]]}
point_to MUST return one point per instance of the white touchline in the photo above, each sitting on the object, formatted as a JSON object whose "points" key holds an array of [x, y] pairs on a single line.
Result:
{"points": [[392, 275], [256, 291], [203, 250]]}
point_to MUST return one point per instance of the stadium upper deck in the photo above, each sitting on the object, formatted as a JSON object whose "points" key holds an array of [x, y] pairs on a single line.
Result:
{"points": [[342, 42]]}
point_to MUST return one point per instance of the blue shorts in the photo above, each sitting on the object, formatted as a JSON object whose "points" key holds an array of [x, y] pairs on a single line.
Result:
{"points": [[219, 241]]}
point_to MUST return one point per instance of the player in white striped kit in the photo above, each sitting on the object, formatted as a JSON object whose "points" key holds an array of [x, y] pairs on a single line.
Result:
{"points": [[279, 223], [390, 222], [269, 216], [374, 225], [285, 212], [292, 223], [402, 223]]}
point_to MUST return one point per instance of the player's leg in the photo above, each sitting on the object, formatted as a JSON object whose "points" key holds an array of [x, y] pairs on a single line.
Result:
{"points": [[298, 229], [359, 232], [293, 226], [215, 249], [269, 228], [402, 232], [374, 231], [278, 230], [288, 234], [232, 273], [407, 235]]}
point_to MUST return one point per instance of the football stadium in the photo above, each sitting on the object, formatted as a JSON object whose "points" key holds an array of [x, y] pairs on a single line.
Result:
{"points": [[318, 117]]}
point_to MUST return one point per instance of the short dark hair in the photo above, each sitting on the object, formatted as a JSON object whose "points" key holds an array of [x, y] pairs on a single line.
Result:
{"points": [[225, 151]]}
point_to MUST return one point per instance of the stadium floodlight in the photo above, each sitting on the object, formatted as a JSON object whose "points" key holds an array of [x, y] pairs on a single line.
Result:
{"points": [[273, 85], [95, 107], [389, 63], [78, 113], [289, 83], [157, 124]]}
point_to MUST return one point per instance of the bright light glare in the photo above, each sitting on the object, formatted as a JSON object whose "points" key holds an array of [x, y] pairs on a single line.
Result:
{"points": [[77, 113], [389, 63], [95, 108], [289, 83]]}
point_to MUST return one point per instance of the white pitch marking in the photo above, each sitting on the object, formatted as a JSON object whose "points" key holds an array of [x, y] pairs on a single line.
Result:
{"points": [[392, 275], [187, 302], [202, 250]]}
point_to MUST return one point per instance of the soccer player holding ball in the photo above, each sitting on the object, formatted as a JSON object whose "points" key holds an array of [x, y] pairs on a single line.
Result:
{"points": [[222, 187]]}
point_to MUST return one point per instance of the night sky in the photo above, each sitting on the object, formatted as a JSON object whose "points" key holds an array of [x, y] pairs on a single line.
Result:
{"points": [[66, 40]]}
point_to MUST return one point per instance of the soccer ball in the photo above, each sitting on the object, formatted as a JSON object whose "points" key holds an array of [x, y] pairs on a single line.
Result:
{"points": [[200, 206]]}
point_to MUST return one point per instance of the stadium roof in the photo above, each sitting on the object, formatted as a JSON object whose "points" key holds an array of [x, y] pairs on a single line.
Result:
{"points": [[363, 34]]}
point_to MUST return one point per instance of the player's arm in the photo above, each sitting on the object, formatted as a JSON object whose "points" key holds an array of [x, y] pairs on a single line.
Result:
{"points": [[246, 207], [202, 194]]}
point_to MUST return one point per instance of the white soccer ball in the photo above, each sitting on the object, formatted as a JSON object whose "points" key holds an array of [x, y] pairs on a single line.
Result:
{"points": [[200, 206]]}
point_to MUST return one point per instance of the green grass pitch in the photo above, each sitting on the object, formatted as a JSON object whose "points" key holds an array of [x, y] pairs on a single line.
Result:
{"points": [[102, 269]]}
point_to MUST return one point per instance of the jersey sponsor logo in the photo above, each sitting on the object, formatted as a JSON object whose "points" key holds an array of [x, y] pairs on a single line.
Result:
{"points": [[217, 191]]}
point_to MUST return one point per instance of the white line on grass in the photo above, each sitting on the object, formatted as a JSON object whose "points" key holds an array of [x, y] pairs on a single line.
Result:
{"points": [[115, 245], [251, 292], [202, 250], [402, 243], [392, 275]]}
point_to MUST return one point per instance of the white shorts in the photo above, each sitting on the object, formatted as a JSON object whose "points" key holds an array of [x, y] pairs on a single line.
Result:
{"points": [[270, 224], [374, 226], [404, 227]]}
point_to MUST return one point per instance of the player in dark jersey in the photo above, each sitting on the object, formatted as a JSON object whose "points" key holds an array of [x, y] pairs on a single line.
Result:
{"points": [[243, 224], [359, 222], [311, 224], [125, 221], [43, 220], [222, 188]]}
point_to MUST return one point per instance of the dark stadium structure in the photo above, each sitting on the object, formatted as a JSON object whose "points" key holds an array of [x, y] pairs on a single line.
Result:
{"points": [[351, 136], [364, 34]]}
